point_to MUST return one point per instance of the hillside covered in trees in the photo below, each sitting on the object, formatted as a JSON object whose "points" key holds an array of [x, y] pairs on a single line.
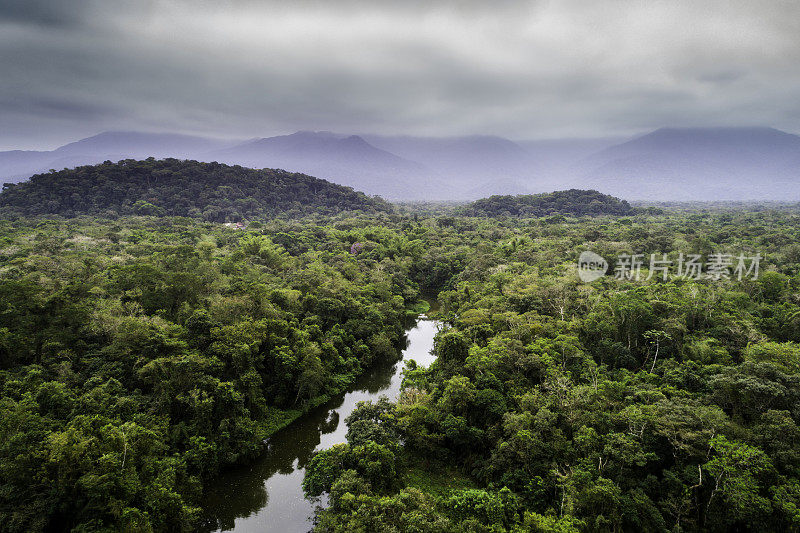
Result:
{"points": [[209, 191], [572, 202]]}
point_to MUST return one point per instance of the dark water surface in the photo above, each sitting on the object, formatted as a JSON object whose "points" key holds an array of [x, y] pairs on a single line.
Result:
{"points": [[267, 495]]}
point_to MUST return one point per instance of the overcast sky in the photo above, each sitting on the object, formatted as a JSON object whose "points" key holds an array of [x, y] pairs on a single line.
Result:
{"points": [[540, 69]]}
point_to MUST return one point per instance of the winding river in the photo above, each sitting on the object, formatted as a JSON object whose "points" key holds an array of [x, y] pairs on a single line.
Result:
{"points": [[267, 495]]}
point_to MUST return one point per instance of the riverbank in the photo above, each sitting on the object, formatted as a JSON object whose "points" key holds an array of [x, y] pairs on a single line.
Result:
{"points": [[278, 419], [268, 491]]}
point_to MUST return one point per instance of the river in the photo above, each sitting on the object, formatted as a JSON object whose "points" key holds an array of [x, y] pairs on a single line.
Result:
{"points": [[267, 495]]}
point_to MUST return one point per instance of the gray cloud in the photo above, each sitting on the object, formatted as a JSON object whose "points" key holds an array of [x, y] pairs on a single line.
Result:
{"points": [[519, 69]]}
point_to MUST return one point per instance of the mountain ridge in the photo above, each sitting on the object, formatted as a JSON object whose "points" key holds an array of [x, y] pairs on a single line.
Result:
{"points": [[698, 164], [346, 159], [712, 163]]}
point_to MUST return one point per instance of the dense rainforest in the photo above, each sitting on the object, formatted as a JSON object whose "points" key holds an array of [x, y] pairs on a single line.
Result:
{"points": [[139, 357], [142, 355], [571, 202], [208, 191], [621, 405]]}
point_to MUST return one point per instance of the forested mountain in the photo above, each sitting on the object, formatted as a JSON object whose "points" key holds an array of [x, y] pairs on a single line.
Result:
{"points": [[209, 191], [571, 202]]}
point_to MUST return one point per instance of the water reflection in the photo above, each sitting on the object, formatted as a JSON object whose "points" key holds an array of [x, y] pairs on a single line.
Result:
{"points": [[267, 495]]}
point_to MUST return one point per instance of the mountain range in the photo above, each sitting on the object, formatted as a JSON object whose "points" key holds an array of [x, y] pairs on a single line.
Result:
{"points": [[665, 164], [343, 159]]}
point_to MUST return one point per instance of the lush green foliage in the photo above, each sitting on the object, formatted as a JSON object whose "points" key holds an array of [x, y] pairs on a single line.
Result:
{"points": [[208, 191], [139, 357], [571, 202], [613, 406]]}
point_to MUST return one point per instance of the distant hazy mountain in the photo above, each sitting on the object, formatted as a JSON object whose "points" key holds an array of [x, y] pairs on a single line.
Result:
{"points": [[397, 168], [474, 155], [553, 161], [17, 165], [507, 186], [667, 164], [467, 165], [138, 145], [698, 164], [344, 159]]}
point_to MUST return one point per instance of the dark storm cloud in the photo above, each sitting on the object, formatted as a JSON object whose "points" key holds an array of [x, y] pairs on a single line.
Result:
{"points": [[520, 69], [47, 13]]}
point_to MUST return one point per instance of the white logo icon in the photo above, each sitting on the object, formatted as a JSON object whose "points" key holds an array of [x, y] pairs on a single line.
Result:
{"points": [[591, 266]]}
